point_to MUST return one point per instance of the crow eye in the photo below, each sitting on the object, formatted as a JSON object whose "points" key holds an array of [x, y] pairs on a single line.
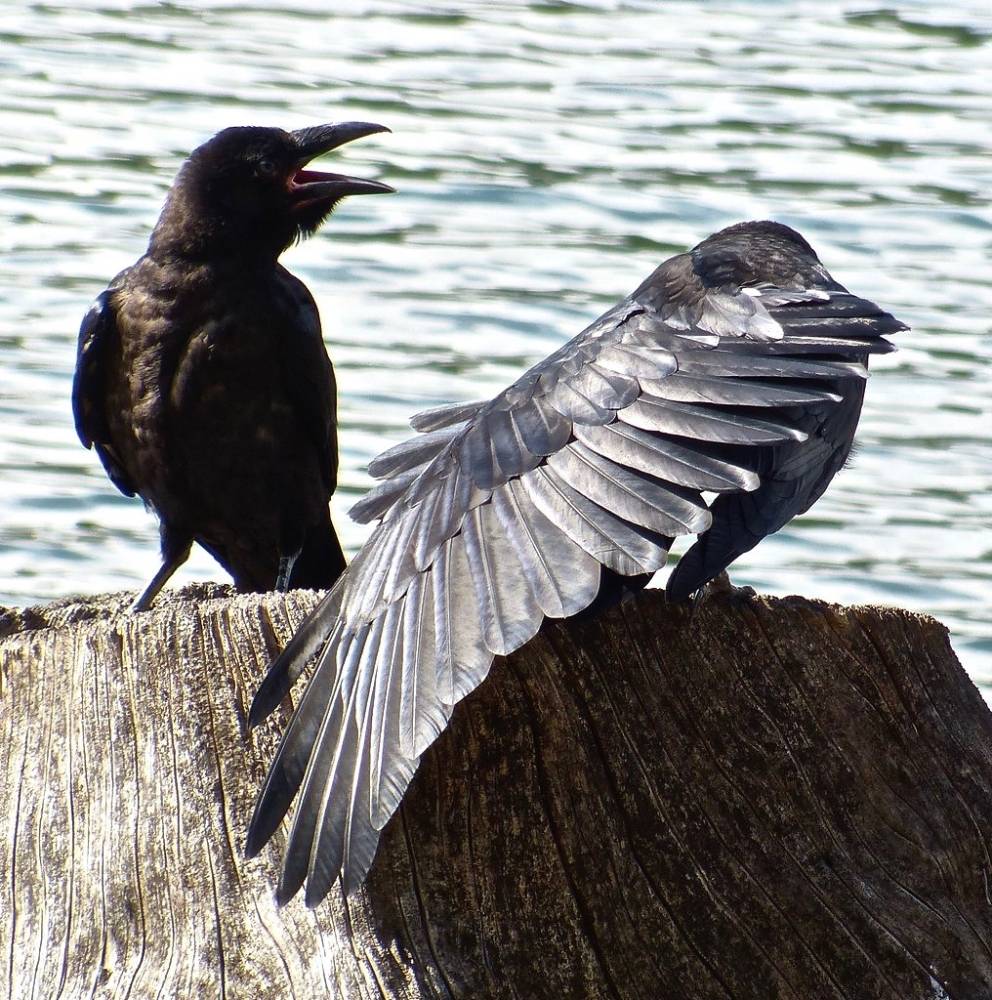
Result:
{"points": [[266, 168]]}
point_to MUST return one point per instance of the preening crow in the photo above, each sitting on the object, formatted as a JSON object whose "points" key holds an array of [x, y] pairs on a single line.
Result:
{"points": [[735, 371]]}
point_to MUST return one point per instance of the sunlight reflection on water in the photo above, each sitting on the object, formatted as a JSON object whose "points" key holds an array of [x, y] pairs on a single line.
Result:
{"points": [[547, 157]]}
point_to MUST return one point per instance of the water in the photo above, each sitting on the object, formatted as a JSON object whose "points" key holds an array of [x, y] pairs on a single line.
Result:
{"points": [[547, 155]]}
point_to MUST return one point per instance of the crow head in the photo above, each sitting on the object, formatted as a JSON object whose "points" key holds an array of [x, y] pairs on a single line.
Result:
{"points": [[247, 190]]}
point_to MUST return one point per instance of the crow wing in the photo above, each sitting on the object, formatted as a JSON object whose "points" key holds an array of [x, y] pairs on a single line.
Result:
{"points": [[308, 376], [97, 347], [502, 513]]}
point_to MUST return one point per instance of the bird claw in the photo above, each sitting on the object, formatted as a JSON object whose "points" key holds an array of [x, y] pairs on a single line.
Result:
{"points": [[720, 584]]}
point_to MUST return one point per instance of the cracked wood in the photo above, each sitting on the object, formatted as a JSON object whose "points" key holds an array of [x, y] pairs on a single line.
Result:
{"points": [[763, 799]]}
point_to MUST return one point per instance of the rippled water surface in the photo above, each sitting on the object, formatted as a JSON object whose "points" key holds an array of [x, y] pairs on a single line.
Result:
{"points": [[547, 156]]}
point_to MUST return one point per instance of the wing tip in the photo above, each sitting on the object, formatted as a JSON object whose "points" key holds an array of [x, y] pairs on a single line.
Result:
{"points": [[253, 846], [316, 891], [274, 687], [283, 896], [257, 836]]}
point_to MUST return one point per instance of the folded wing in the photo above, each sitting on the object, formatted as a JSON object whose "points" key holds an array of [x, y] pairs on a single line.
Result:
{"points": [[96, 347]]}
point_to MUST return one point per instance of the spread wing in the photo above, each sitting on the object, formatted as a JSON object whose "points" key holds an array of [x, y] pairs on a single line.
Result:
{"points": [[97, 347], [504, 512]]}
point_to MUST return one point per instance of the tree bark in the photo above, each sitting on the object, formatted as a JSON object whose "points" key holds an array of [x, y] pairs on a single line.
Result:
{"points": [[759, 799]]}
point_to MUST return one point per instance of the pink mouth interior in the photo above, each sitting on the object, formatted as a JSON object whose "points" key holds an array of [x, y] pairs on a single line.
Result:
{"points": [[308, 176], [302, 177]]}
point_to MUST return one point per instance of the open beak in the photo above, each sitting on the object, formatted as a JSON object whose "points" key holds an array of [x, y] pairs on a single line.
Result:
{"points": [[307, 187]]}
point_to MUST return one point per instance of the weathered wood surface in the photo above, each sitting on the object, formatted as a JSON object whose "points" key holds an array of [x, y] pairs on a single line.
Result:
{"points": [[766, 799]]}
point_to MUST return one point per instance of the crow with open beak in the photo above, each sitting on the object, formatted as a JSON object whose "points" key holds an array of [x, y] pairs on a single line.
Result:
{"points": [[202, 380]]}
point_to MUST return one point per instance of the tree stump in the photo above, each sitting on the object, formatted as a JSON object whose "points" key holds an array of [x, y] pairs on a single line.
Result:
{"points": [[759, 799]]}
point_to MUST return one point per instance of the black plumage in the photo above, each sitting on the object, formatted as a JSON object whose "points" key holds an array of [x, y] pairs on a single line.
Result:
{"points": [[736, 369], [202, 380]]}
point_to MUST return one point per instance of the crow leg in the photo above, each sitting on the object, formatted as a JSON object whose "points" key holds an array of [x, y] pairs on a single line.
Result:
{"points": [[286, 564], [720, 584], [174, 554], [614, 588]]}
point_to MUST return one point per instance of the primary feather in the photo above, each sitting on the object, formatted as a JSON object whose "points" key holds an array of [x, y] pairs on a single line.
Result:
{"points": [[735, 369]]}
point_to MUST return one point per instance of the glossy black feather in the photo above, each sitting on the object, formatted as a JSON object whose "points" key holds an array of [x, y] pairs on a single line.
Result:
{"points": [[98, 340], [737, 368], [202, 380]]}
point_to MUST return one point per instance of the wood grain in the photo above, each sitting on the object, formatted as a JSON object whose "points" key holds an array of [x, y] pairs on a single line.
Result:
{"points": [[760, 799]]}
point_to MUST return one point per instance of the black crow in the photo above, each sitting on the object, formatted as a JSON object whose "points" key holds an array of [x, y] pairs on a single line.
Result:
{"points": [[201, 376], [735, 371]]}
